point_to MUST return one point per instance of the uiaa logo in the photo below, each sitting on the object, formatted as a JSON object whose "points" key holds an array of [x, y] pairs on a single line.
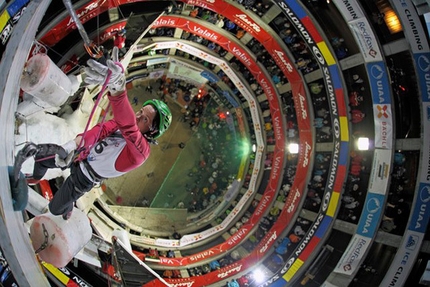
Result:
{"points": [[424, 63], [377, 72], [425, 194], [373, 205]]}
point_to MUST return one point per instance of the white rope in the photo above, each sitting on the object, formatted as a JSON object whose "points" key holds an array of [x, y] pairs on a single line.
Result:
{"points": [[143, 264], [127, 58]]}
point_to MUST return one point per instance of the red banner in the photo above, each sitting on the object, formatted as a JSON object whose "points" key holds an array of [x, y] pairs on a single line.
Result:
{"points": [[246, 22], [85, 13], [270, 192], [302, 107]]}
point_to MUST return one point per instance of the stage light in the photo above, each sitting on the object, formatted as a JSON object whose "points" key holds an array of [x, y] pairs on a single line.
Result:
{"points": [[363, 143], [258, 275], [293, 148]]}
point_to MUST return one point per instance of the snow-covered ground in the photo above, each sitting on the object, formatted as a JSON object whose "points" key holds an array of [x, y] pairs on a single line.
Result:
{"points": [[43, 127]]}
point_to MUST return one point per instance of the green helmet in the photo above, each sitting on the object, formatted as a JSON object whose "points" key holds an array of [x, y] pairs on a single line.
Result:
{"points": [[164, 118]]}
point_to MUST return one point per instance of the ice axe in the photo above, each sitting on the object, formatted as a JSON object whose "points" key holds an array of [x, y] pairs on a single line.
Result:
{"points": [[18, 184]]}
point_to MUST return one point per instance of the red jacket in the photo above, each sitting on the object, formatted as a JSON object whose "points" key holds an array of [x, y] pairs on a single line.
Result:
{"points": [[119, 41], [120, 146]]}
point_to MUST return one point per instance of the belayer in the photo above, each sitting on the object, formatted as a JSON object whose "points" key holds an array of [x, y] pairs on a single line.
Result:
{"points": [[110, 149]]}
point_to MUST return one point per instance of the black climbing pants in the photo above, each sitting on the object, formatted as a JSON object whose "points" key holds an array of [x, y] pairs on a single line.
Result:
{"points": [[72, 189]]}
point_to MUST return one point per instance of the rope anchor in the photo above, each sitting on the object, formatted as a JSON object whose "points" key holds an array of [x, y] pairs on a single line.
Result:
{"points": [[90, 47], [45, 241]]}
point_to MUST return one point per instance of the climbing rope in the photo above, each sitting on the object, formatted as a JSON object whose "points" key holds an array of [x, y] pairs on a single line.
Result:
{"points": [[92, 49]]}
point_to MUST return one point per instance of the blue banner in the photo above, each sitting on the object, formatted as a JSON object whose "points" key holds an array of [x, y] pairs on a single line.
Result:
{"points": [[297, 9], [337, 84], [324, 226], [422, 62], [421, 211], [379, 83], [344, 153], [14, 7], [230, 99], [372, 210], [210, 76]]}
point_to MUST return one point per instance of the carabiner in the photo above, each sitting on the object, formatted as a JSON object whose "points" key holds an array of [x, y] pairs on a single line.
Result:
{"points": [[93, 50]]}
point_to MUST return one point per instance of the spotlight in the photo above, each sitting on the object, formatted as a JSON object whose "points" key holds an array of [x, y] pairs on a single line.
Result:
{"points": [[363, 143], [293, 148], [258, 275]]}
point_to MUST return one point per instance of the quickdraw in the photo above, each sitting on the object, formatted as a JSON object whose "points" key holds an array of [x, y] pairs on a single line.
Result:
{"points": [[92, 49]]}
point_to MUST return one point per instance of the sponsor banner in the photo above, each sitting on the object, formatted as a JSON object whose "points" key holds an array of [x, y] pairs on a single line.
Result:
{"points": [[293, 9], [15, 7], [238, 51], [379, 83], [425, 168], [279, 283], [161, 60], [342, 171], [422, 64], [232, 191], [427, 19], [230, 99], [65, 275], [268, 241], [295, 19], [205, 280], [69, 65], [366, 40], [215, 5], [7, 30], [343, 111], [383, 126], [404, 260], [65, 25], [332, 206], [380, 173], [210, 76], [411, 24], [156, 74], [269, 193], [351, 258], [323, 228], [343, 155], [421, 211], [371, 215], [328, 56], [109, 32], [184, 64], [305, 152], [4, 20], [349, 9], [306, 240], [251, 26], [331, 177], [302, 107], [312, 30], [293, 270]]}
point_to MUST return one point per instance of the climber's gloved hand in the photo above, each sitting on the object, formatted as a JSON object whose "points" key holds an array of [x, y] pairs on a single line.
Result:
{"points": [[97, 73], [64, 159], [64, 163]]}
